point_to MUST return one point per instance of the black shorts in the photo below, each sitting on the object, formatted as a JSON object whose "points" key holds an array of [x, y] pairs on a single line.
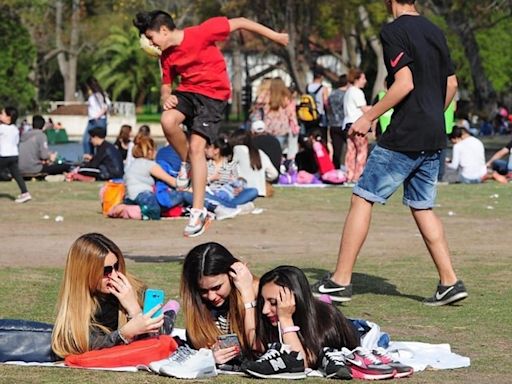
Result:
{"points": [[203, 115]]}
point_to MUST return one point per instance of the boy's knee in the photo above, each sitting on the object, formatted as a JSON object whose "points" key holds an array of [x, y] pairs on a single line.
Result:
{"points": [[197, 147], [169, 121]]}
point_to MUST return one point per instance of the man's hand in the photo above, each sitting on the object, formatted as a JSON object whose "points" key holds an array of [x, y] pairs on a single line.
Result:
{"points": [[170, 102], [360, 127], [282, 38]]}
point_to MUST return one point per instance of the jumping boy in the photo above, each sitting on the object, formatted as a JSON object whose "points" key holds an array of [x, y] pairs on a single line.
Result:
{"points": [[422, 84], [201, 97]]}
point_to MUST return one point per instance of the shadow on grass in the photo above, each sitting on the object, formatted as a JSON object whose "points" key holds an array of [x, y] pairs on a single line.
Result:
{"points": [[155, 259], [363, 283], [6, 196]]}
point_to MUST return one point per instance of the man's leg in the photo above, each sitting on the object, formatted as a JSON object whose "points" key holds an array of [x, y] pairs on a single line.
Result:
{"points": [[353, 237], [171, 121], [432, 230], [199, 171]]}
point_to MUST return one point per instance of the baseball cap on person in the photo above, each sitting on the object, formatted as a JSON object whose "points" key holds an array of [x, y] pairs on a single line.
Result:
{"points": [[258, 126]]}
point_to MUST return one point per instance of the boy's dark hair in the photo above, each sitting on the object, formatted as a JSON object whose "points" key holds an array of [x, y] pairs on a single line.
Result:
{"points": [[405, 1], [153, 20], [317, 74], [98, 132], [456, 133], [12, 112], [37, 122], [341, 82]]}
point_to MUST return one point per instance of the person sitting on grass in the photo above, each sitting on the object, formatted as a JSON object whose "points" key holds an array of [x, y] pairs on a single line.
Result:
{"points": [[218, 295], [99, 303], [501, 168], [35, 158], [140, 175], [107, 162], [297, 327], [469, 155]]}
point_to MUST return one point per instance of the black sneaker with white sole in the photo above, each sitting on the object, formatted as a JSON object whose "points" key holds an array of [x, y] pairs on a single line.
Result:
{"points": [[336, 292], [447, 294], [279, 362], [333, 365]]}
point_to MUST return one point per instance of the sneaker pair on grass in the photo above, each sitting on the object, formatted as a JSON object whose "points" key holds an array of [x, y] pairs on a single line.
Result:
{"points": [[279, 362], [342, 293], [361, 364], [187, 363]]}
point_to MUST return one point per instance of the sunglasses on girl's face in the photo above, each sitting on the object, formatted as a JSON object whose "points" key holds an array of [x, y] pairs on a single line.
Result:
{"points": [[108, 269]]}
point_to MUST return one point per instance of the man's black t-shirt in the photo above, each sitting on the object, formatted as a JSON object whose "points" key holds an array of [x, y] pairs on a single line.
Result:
{"points": [[417, 123], [270, 145]]}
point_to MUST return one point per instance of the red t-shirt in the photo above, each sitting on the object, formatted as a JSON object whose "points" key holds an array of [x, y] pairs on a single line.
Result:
{"points": [[198, 61]]}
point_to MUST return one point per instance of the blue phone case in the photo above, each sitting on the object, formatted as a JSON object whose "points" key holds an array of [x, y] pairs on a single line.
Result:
{"points": [[152, 298]]}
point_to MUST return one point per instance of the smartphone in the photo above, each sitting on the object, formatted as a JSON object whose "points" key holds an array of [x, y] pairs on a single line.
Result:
{"points": [[229, 340], [153, 297]]}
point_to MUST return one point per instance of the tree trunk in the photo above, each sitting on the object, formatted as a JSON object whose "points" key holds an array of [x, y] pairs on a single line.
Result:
{"points": [[236, 94], [484, 96], [68, 56], [377, 48]]}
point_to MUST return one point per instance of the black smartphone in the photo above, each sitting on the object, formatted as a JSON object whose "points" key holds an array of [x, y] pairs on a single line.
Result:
{"points": [[229, 340]]}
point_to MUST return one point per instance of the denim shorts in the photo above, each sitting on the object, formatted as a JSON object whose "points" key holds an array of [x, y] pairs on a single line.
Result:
{"points": [[386, 170]]}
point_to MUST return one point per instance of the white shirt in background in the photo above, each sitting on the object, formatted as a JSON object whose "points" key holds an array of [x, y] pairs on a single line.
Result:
{"points": [[255, 177], [9, 139], [469, 155], [353, 101]]}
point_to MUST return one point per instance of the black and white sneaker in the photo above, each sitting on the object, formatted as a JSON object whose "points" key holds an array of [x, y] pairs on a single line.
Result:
{"points": [[277, 363], [447, 294], [332, 364], [325, 286]]}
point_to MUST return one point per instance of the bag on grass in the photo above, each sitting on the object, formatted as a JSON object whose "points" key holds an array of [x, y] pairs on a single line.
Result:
{"points": [[139, 352], [112, 194], [24, 340]]}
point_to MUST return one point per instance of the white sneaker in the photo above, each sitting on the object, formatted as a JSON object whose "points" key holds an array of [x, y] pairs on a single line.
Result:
{"points": [[197, 223], [187, 363], [246, 208], [223, 213], [183, 178], [23, 198]]}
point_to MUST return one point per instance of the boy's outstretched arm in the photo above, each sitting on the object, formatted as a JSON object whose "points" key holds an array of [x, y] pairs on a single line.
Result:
{"points": [[249, 25]]}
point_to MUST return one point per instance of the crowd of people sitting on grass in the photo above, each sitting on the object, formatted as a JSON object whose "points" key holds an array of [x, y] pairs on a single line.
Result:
{"points": [[276, 327]]}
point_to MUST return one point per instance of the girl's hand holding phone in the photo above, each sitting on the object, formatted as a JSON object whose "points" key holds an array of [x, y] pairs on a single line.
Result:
{"points": [[223, 355], [285, 303], [143, 324]]}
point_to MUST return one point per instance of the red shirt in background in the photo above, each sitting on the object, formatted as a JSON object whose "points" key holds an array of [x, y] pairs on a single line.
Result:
{"points": [[198, 61]]}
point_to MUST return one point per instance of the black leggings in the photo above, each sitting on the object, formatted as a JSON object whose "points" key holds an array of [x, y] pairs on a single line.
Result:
{"points": [[338, 139], [11, 163]]}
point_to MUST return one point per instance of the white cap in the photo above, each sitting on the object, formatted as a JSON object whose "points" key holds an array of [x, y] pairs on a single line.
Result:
{"points": [[258, 126]]}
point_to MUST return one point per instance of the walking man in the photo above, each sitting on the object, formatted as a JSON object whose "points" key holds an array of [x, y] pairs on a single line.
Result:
{"points": [[422, 84]]}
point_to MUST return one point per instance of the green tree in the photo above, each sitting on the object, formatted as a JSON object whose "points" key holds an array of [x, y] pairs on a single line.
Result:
{"points": [[123, 68], [18, 54]]}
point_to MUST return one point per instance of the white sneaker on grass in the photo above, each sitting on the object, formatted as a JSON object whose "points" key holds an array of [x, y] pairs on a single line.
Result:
{"points": [[197, 223], [223, 213], [246, 208], [23, 198], [183, 178], [187, 363]]}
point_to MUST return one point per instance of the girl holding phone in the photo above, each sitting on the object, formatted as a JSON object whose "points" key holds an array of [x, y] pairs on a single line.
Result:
{"points": [[218, 293], [99, 303]]}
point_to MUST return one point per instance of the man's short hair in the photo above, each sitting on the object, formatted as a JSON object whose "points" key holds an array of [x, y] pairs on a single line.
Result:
{"points": [[38, 122], [98, 132], [456, 133], [152, 21], [341, 82]]}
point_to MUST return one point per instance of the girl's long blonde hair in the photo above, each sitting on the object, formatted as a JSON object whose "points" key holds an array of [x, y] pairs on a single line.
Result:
{"points": [[78, 296], [280, 95]]}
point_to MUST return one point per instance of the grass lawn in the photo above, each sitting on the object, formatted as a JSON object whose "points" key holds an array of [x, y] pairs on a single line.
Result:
{"points": [[301, 227]]}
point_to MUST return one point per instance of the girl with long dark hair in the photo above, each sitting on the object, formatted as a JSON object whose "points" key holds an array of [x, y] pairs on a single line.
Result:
{"points": [[218, 295]]}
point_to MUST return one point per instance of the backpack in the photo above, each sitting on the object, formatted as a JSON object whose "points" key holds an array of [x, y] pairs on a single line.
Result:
{"points": [[307, 111]]}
